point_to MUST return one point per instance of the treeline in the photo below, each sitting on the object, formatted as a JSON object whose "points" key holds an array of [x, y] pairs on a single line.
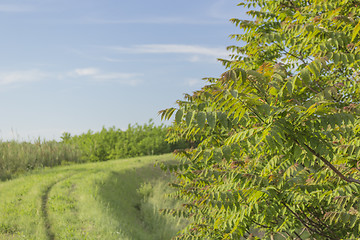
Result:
{"points": [[109, 143], [113, 143]]}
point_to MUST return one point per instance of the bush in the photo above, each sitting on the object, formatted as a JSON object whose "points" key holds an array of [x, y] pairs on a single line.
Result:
{"points": [[113, 143]]}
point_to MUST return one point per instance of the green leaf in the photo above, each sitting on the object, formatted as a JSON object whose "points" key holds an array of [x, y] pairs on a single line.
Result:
{"points": [[226, 150], [189, 117], [217, 155], [178, 116], [200, 118], [241, 74], [336, 58], [211, 119], [234, 93], [223, 119], [297, 152], [233, 75], [289, 86], [305, 75], [167, 113], [315, 68], [356, 31], [273, 91], [350, 58]]}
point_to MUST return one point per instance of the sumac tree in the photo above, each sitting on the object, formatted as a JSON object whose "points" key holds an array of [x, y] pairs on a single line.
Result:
{"points": [[278, 132]]}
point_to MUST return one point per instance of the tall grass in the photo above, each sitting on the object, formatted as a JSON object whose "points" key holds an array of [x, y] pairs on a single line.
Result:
{"points": [[19, 157], [155, 198]]}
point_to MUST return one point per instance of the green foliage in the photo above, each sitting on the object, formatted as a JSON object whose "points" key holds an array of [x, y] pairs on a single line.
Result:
{"points": [[279, 150], [114, 143], [20, 157]]}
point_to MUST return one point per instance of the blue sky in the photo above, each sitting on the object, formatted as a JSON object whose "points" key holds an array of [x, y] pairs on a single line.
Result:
{"points": [[71, 66]]}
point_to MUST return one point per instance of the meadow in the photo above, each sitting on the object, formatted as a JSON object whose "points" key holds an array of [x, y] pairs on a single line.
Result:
{"points": [[117, 199]]}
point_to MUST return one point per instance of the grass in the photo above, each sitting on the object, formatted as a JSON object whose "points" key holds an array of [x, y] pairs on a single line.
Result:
{"points": [[17, 158], [107, 200]]}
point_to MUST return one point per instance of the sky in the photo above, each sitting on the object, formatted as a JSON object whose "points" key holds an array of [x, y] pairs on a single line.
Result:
{"points": [[78, 65]]}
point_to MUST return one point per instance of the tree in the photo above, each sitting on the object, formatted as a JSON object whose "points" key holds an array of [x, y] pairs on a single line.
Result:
{"points": [[279, 131]]}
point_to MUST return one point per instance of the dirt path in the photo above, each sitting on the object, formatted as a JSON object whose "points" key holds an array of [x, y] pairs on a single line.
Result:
{"points": [[44, 207], [44, 210]]}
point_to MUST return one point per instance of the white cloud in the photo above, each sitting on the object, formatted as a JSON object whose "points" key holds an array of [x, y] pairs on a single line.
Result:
{"points": [[13, 77], [11, 8], [86, 71], [173, 49], [94, 74]]}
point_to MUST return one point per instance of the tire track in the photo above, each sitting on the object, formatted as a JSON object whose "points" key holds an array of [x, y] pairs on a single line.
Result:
{"points": [[45, 214], [44, 207]]}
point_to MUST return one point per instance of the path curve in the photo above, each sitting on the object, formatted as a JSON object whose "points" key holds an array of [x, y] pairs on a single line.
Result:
{"points": [[44, 207]]}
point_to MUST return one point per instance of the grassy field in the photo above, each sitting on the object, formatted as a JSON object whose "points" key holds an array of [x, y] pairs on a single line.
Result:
{"points": [[107, 200]]}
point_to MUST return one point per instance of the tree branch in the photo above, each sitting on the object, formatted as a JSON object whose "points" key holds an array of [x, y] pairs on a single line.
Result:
{"points": [[318, 224], [291, 54], [298, 235], [310, 229], [327, 163]]}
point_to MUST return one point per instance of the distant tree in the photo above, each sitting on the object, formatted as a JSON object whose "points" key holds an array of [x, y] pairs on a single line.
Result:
{"points": [[279, 131], [112, 143], [65, 136]]}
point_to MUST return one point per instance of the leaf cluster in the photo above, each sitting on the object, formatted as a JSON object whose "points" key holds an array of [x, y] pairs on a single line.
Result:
{"points": [[278, 133]]}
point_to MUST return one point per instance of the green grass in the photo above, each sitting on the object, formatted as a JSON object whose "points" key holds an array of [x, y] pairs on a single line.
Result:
{"points": [[17, 158], [108, 200]]}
